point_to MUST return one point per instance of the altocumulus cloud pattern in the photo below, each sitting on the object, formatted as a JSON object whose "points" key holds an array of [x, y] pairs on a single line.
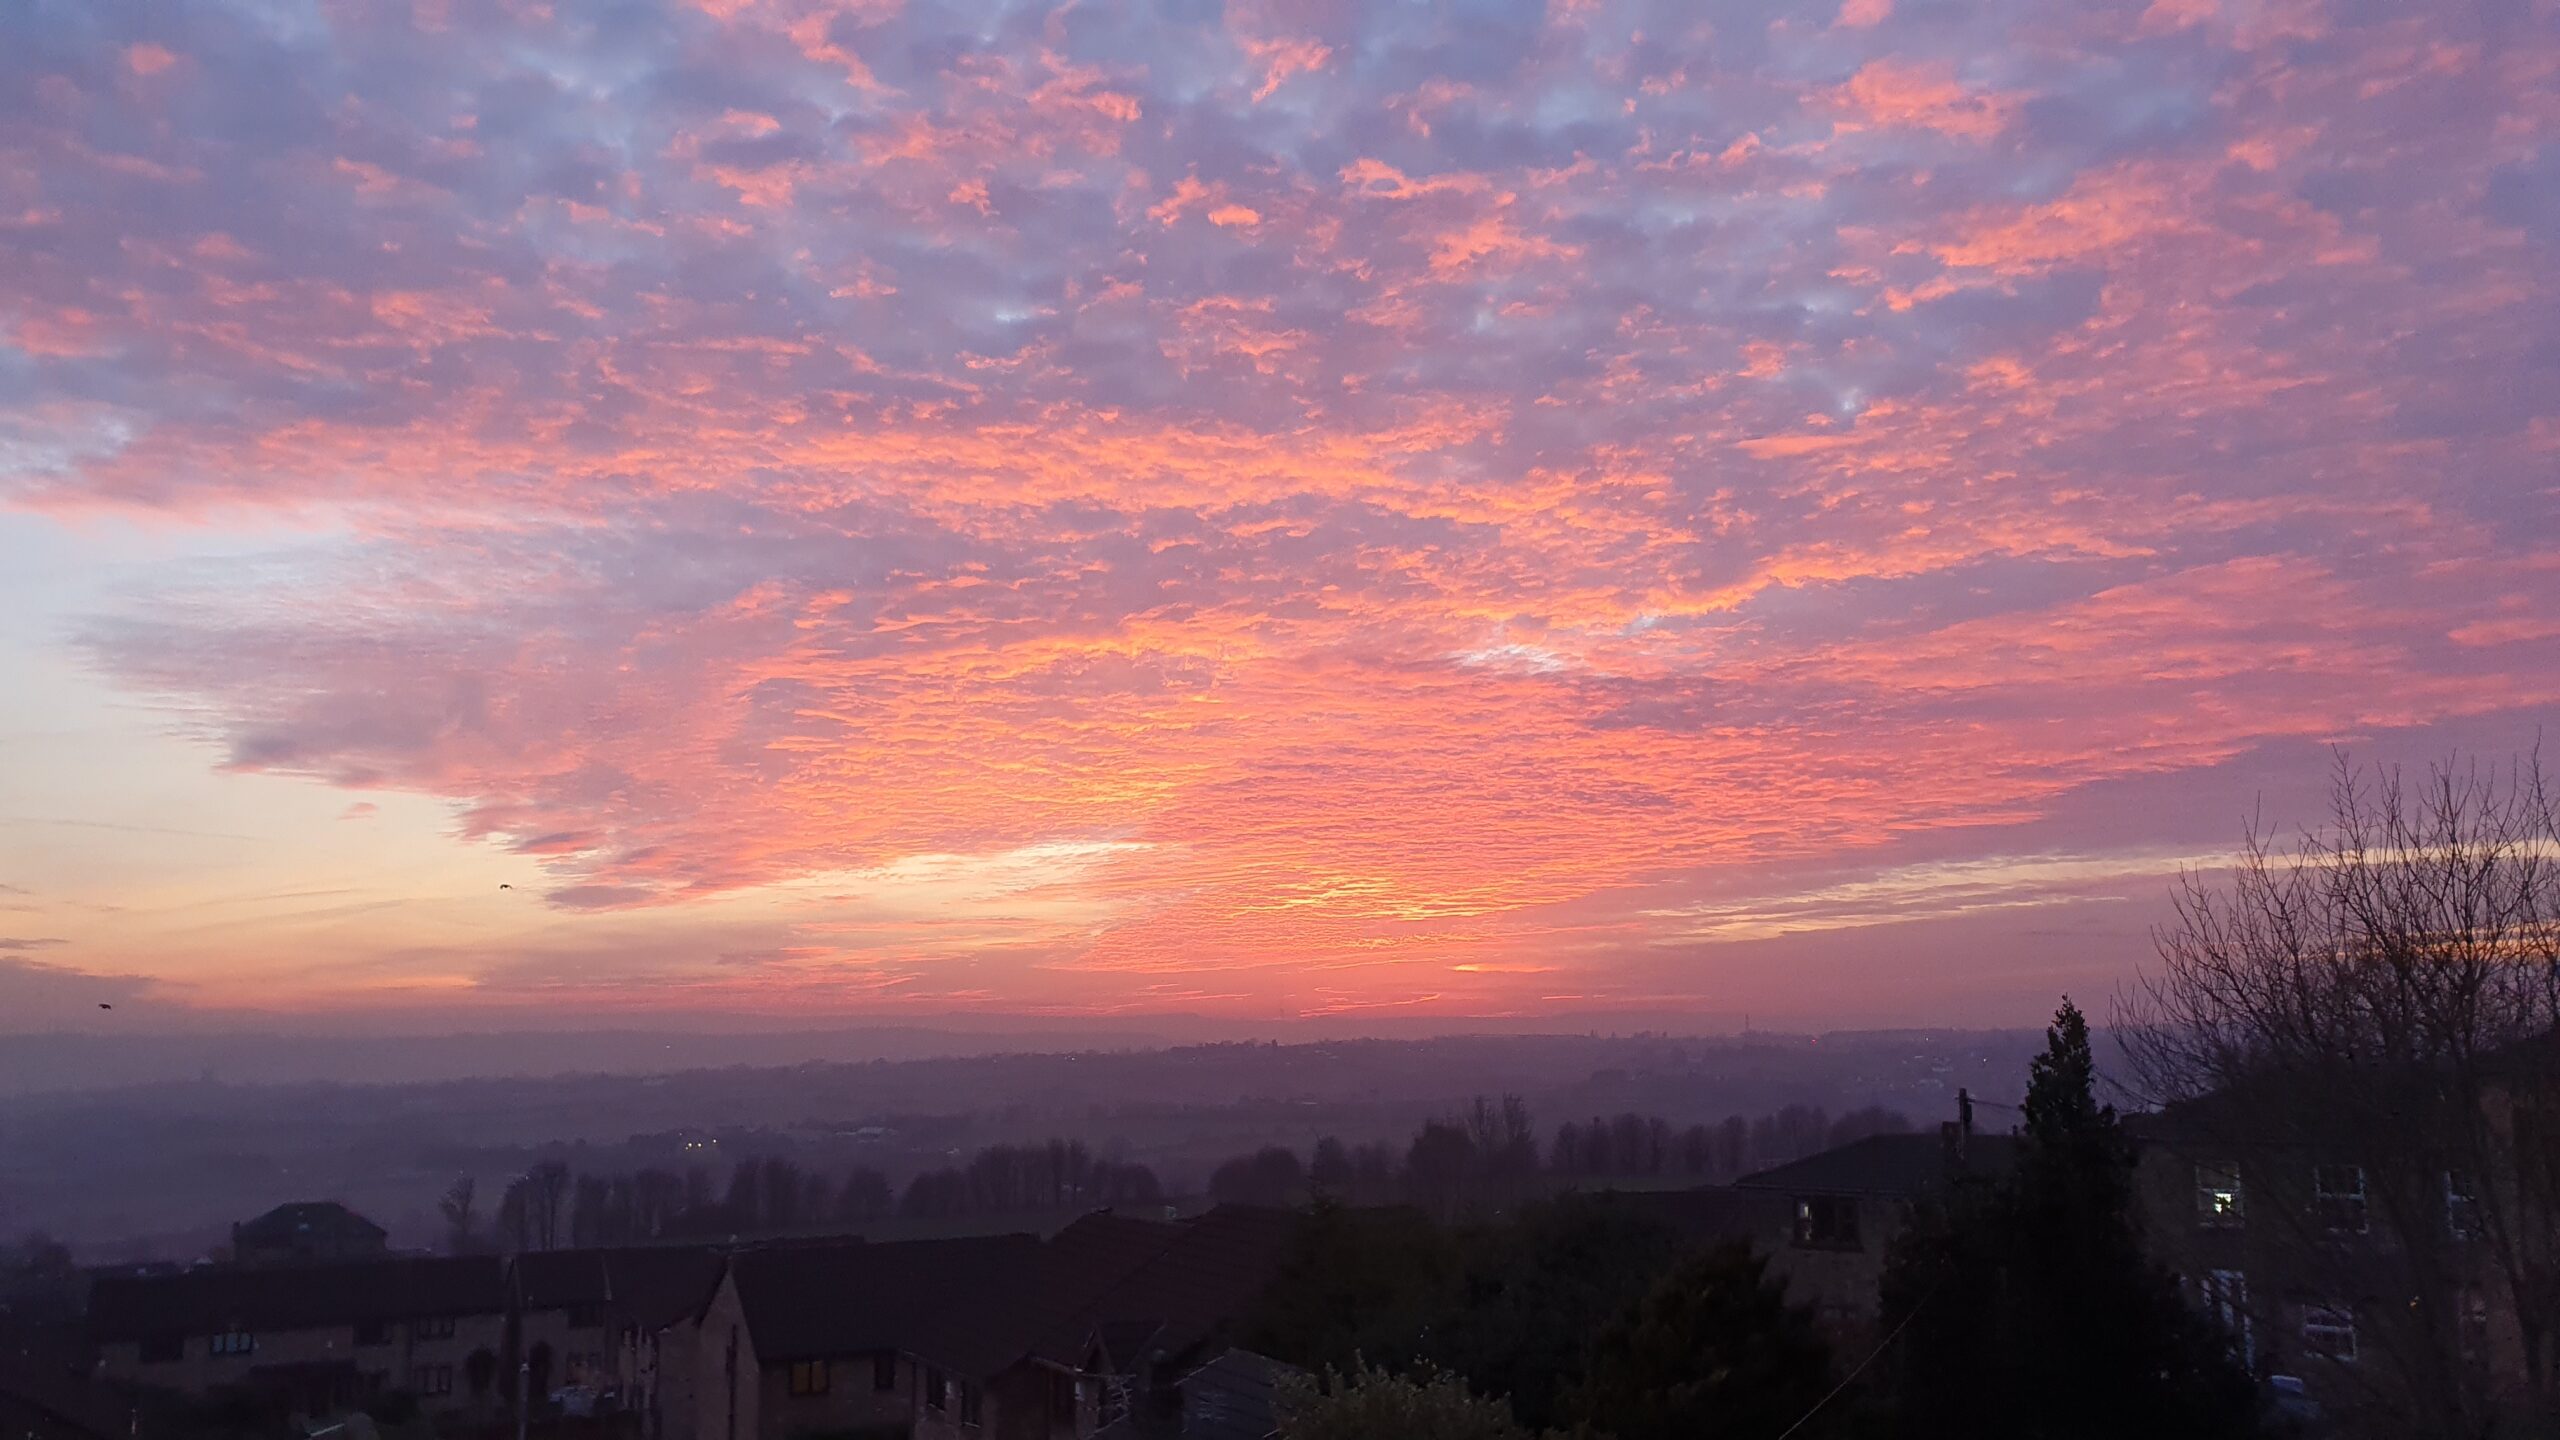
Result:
{"points": [[1381, 503]]}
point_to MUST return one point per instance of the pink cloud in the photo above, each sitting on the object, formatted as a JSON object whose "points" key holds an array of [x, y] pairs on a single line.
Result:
{"points": [[1433, 491]]}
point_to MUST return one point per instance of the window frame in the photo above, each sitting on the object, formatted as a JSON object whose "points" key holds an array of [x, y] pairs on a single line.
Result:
{"points": [[2461, 1206], [810, 1378], [236, 1340], [2224, 1294], [431, 1327], [2333, 1203], [2220, 1206], [972, 1404], [1819, 1223], [884, 1371], [2471, 1326], [934, 1385], [2334, 1320]]}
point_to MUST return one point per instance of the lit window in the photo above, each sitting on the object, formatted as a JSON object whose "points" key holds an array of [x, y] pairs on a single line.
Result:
{"points": [[2330, 1330], [1826, 1222], [809, 1377], [233, 1342], [2461, 1206], [2337, 1192], [2219, 1199]]}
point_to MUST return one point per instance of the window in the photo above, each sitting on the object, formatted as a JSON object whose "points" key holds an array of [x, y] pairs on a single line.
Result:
{"points": [[2226, 1299], [2330, 1330], [2337, 1194], [373, 1332], [2471, 1323], [433, 1380], [809, 1377], [1826, 1222], [233, 1342], [2219, 1199], [969, 1398], [432, 1327], [1062, 1399], [933, 1386], [586, 1317], [2461, 1206], [884, 1370], [161, 1349]]}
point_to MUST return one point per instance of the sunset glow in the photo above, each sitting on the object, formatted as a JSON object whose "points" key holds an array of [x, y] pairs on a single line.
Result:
{"points": [[845, 506]]}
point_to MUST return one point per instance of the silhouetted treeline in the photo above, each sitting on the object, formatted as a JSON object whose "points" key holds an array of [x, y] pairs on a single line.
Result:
{"points": [[1489, 1155], [548, 1206], [1058, 1175]]}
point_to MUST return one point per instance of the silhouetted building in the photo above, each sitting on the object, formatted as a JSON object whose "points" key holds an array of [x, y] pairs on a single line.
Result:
{"points": [[306, 1230], [1844, 1207]]}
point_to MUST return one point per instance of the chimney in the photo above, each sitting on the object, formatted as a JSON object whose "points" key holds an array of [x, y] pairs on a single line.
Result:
{"points": [[1957, 1134]]}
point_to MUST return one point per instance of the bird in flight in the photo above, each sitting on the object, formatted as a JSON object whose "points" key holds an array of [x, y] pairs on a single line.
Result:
{"points": [[103, 1005], [503, 886]]}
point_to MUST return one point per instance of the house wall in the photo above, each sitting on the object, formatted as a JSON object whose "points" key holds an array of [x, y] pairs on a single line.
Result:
{"points": [[851, 1399], [724, 1392], [1020, 1406], [2284, 1262], [675, 1359], [1838, 1283], [198, 1370], [581, 1345]]}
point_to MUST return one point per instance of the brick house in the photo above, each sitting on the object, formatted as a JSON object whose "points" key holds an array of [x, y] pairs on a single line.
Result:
{"points": [[2364, 1273], [323, 1335]]}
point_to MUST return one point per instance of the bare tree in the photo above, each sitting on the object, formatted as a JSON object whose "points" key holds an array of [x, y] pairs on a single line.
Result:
{"points": [[461, 1217], [2367, 1020]]}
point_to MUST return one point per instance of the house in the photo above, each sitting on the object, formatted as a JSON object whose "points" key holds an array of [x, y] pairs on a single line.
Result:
{"points": [[306, 1230], [2374, 1273], [1844, 1206], [919, 1336], [1233, 1398], [1137, 1306], [658, 1296], [322, 1335], [561, 1301]]}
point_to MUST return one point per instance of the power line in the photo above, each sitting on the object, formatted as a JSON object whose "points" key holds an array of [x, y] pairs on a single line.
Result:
{"points": [[1851, 1378]]}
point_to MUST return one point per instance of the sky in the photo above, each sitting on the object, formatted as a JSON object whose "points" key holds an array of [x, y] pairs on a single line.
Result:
{"points": [[812, 508]]}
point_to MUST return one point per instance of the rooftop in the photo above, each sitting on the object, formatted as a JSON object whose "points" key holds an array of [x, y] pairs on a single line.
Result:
{"points": [[1897, 1166], [212, 1298]]}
